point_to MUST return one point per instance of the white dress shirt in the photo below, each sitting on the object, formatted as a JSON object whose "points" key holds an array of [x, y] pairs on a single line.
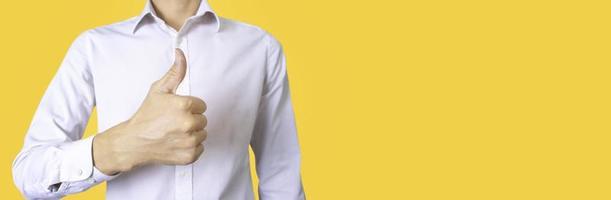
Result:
{"points": [[237, 69]]}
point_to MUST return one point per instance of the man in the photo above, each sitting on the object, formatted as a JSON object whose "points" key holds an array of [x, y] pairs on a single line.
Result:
{"points": [[150, 112]]}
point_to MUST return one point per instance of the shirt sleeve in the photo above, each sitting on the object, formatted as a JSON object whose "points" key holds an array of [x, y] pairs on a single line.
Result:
{"points": [[274, 141], [55, 160]]}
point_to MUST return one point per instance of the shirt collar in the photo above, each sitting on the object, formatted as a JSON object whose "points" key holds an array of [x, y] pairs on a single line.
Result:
{"points": [[201, 11]]}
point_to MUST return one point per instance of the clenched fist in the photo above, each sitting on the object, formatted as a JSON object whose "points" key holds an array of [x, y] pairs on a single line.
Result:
{"points": [[166, 129]]}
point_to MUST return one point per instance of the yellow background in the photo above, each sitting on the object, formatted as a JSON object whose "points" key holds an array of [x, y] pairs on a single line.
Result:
{"points": [[394, 99]]}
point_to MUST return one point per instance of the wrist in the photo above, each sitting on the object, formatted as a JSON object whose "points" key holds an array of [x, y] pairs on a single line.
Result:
{"points": [[102, 155], [114, 151]]}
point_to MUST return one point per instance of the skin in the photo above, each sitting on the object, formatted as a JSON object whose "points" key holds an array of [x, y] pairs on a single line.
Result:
{"points": [[166, 129], [175, 12]]}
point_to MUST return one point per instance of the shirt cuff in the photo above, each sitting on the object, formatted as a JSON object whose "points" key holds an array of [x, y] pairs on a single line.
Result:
{"points": [[77, 163], [99, 176]]}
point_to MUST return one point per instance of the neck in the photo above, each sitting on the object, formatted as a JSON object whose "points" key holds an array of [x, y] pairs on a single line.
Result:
{"points": [[175, 12]]}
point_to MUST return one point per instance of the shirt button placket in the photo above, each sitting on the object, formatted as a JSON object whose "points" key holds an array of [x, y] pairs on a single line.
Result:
{"points": [[183, 173]]}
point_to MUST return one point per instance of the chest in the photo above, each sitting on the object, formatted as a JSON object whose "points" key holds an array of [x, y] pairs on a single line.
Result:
{"points": [[227, 74]]}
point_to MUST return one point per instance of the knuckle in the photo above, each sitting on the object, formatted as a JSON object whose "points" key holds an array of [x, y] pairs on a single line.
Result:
{"points": [[188, 124], [202, 103], [182, 158], [189, 156], [195, 155], [185, 103], [191, 141]]}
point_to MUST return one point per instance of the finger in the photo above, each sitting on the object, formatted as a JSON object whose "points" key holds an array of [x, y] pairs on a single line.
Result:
{"points": [[199, 149], [200, 136], [196, 105], [200, 122], [188, 156], [170, 81]]}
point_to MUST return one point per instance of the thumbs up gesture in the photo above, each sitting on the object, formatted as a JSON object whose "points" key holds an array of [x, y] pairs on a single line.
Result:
{"points": [[166, 129]]}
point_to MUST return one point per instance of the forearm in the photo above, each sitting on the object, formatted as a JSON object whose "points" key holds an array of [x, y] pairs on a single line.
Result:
{"points": [[106, 157], [114, 153]]}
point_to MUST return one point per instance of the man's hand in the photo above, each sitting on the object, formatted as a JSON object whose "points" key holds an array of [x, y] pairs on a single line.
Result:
{"points": [[166, 129]]}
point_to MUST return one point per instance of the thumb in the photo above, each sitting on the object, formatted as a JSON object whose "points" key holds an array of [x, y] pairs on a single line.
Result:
{"points": [[170, 81]]}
